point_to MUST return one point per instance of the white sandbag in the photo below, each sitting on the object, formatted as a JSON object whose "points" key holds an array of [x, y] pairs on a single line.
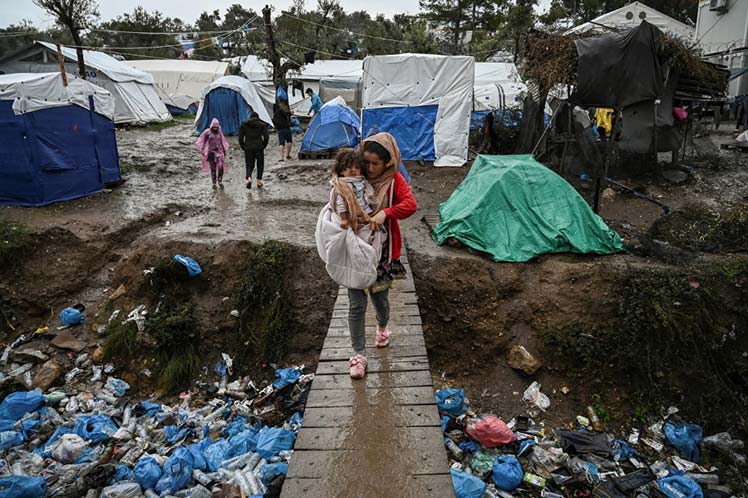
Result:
{"points": [[349, 259]]}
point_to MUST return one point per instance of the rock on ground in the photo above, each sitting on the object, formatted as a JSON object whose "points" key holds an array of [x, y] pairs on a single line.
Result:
{"points": [[47, 375], [521, 359]]}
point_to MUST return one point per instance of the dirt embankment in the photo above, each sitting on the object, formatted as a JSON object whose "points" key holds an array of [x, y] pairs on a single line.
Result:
{"points": [[622, 333]]}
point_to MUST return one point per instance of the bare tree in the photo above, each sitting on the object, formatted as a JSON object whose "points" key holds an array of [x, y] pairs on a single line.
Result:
{"points": [[75, 15]]}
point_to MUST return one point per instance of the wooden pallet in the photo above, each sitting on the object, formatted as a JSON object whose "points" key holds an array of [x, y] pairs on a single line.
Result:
{"points": [[318, 154]]}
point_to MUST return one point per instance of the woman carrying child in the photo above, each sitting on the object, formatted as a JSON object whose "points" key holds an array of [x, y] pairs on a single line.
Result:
{"points": [[391, 200]]}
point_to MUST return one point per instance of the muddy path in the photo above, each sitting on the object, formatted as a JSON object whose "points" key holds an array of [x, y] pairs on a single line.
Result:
{"points": [[473, 309]]}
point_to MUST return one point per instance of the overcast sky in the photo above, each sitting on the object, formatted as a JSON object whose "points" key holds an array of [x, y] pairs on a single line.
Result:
{"points": [[13, 11]]}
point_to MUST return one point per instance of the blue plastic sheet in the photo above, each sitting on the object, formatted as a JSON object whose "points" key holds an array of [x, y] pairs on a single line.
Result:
{"points": [[507, 472], [22, 487], [451, 402], [685, 437], [271, 471], [679, 486], [272, 441], [466, 485], [71, 316], [10, 439], [95, 428], [216, 454], [285, 377], [147, 472], [226, 105], [193, 268], [177, 471], [19, 403], [412, 127]]}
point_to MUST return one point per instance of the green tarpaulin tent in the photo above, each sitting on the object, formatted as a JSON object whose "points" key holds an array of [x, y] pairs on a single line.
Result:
{"points": [[514, 208]]}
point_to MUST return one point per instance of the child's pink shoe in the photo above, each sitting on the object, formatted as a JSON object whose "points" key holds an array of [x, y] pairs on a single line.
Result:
{"points": [[383, 337], [358, 366]]}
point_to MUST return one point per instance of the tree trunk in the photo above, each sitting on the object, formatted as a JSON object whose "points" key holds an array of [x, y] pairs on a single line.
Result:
{"points": [[279, 76], [79, 52]]}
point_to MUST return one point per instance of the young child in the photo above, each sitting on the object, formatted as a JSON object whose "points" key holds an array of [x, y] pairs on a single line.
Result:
{"points": [[213, 147], [351, 194]]}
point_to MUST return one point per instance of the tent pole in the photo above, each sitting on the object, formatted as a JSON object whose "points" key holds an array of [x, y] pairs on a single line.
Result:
{"points": [[61, 60], [658, 169]]}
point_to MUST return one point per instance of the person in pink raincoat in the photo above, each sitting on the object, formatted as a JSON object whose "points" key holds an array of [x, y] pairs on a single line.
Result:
{"points": [[213, 147]]}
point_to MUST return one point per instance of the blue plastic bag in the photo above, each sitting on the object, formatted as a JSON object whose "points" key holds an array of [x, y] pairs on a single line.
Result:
{"points": [[295, 421], [467, 486], [122, 473], [46, 450], [148, 408], [216, 454], [174, 433], [242, 443], [270, 471], [451, 402], [285, 377], [282, 95], [237, 425], [198, 453], [685, 437], [193, 269], [177, 471], [19, 403], [622, 451], [507, 472], [10, 439], [469, 446], [22, 487], [272, 441], [70, 317], [444, 423], [147, 472], [117, 386], [95, 428], [679, 486]]}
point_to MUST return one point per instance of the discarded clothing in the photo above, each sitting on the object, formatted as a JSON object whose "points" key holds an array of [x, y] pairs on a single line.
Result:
{"points": [[584, 442]]}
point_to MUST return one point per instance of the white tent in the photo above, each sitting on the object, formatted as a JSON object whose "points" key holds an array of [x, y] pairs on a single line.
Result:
{"points": [[135, 97], [630, 16], [424, 101], [250, 92], [256, 69], [497, 86], [180, 78]]}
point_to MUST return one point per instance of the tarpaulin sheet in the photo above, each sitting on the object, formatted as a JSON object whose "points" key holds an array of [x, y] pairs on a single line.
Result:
{"points": [[514, 208], [412, 127], [334, 126], [619, 69]]}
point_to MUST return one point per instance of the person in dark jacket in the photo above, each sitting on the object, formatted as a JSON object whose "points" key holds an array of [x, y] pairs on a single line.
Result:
{"points": [[282, 123], [253, 138]]}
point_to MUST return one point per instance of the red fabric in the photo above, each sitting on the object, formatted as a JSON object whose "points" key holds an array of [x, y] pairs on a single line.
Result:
{"points": [[403, 205], [490, 432]]}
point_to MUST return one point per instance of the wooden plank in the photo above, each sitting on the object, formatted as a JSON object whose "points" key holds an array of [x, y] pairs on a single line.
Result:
{"points": [[326, 438], [394, 312], [399, 416], [395, 341], [429, 486], [346, 353], [332, 398], [376, 365], [374, 380], [324, 463], [404, 320], [397, 330]]}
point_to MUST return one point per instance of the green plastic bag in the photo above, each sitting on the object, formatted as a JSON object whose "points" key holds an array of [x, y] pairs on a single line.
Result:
{"points": [[482, 463], [515, 209]]}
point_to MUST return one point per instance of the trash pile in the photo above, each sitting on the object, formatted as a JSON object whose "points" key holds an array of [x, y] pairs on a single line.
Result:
{"points": [[491, 458], [88, 439]]}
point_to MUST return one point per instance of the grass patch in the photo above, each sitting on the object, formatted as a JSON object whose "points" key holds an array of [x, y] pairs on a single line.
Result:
{"points": [[121, 342], [161, 126], [697, 229], [184, 117], [14, 238], [173, 328], [264, 303], [731, 230]]}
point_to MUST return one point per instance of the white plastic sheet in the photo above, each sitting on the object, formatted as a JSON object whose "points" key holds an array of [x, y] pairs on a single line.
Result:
{"points": [[36, 91], [417, 80]]}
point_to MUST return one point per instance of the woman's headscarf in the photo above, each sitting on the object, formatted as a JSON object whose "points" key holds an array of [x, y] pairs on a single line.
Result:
{"points": [[382, 184]]}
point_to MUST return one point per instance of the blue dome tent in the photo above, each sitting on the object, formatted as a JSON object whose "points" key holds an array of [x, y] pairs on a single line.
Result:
{"points": [[58, 141], [335, 126], [231, 99]]}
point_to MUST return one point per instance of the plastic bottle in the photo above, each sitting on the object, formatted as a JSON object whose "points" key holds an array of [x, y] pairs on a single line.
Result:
{"points": [[453, 448], [703, 478], [594, 419], [202, 477], [490, 492], [149, 493]]}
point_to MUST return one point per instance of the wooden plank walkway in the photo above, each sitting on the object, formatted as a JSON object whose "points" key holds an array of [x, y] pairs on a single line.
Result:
{"points": [[378, 437]]}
